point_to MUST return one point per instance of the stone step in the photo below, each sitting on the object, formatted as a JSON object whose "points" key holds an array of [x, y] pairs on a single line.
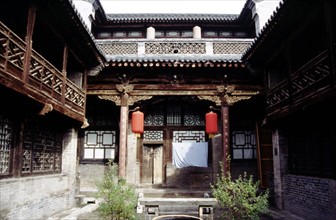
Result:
{"points": [[173, 193], [177, 206]]}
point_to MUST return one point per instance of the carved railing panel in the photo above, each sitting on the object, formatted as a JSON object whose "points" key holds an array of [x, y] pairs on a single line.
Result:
{"points": [[303, 83], [12, 48]]}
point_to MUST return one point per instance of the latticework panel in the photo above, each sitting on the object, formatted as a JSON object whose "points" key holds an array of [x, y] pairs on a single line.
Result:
{"points": [[41, 152], [155, 117], [153, 136], [305, 81], [45, 73], [119, 48], [74, 95], [191, 118], [230, 48], [5, 144], [188, 136], [175, 48], [12, 47]]}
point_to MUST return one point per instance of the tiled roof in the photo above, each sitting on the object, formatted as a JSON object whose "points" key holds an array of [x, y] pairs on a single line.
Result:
{"points": [[268, 27], [116, 18]]}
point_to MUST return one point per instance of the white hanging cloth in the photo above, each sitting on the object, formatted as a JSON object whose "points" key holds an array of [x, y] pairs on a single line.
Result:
{"points": [[190, 154]]}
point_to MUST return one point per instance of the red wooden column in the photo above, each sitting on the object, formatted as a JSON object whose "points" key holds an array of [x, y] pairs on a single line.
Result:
{"points": [[226, 136], [123, 134]]}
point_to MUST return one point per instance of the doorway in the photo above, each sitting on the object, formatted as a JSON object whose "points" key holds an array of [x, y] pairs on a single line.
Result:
{"points": [[152, 163]]}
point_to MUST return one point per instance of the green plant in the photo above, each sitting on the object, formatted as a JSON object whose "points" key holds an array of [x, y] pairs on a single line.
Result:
{"points": [[239, 198], [118, 199]]}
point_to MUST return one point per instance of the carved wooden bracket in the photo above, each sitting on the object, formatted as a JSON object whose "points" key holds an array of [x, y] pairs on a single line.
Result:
{"points": [[114, 98], [134, 98], [46, 109], [214, 98], [131, 100], [229, 97]]}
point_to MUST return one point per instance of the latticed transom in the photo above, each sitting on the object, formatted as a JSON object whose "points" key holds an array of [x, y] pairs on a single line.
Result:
{"points": [[188, 136], [153, 136]]}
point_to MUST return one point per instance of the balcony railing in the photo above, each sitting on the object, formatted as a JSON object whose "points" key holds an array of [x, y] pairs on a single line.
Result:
{"points": [[310, 80], [42, 77], [221, 49]]}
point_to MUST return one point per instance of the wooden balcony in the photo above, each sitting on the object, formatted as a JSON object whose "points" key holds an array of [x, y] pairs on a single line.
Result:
{"points": [[310, 84], [30, 74]]}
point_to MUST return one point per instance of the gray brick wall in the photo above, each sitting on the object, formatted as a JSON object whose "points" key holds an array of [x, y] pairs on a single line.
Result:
{"points": [[310, 197], [38, 197]]}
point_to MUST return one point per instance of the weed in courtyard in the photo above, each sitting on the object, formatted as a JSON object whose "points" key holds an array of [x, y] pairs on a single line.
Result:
{"points": [[118, 199], [240, 199]]}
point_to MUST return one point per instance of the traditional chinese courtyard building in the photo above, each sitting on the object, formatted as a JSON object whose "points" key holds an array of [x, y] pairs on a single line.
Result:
{"points": [[74, 84], [173, 67]]}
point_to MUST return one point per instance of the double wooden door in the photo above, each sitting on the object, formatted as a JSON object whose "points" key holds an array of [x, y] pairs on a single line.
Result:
{"points": [[152, 164]]}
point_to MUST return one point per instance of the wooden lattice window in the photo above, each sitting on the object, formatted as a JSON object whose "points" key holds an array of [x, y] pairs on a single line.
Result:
{"points": [[100, 144], [174, 115], [5, 145], [243, 145], [42, 151]]}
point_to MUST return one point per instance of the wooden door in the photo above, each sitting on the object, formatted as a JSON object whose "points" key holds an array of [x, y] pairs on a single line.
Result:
{"points": [[265, 155], [152, 162]]}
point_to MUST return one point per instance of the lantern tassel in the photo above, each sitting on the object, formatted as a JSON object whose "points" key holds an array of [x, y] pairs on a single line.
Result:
{"points": [[137, 135], [211, 136]]}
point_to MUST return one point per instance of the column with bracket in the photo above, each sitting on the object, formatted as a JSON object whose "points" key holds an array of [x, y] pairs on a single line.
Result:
{"points": [[123, 134]]}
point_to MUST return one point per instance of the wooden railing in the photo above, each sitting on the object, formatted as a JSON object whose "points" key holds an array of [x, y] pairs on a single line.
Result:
{"points": [[42, 76], [308, 81]]}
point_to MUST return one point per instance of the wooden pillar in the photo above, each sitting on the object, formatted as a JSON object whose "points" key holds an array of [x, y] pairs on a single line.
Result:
{"points": [[226, 137], [64, 72], [29, 42], [123, 134]]}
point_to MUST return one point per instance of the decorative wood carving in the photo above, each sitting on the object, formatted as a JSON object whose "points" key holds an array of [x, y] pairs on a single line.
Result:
{"points": [[114, 98], [230, 97], [134, 98], [46, 109], [214, 98], [131, 99]]}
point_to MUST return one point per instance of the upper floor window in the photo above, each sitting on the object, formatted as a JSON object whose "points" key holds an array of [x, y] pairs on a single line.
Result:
{"points": [[173, 34], [174, 115], [120, 34]]}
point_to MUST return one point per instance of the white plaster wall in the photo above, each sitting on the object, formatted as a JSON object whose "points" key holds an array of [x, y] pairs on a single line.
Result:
{"points": [[264, 9], [85, 9]]}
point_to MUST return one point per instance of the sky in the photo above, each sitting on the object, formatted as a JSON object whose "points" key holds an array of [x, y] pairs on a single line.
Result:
{"points": [[173, 6]]}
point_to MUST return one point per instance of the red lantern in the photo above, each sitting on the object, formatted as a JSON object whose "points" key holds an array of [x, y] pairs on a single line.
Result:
{"points": [[211, 125], [138, 122]]}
